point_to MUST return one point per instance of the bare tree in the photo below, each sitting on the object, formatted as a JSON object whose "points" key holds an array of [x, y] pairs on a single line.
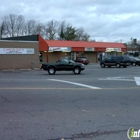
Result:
{"points": [[81, 35], [50, 30], [13, 25], [2, 30], [20, 25], [30, 27], [33, 27], [86, 37], [10, 25]]}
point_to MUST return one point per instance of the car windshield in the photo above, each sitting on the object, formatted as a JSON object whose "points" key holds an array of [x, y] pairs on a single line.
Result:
{"points": [[134, 58], [58, 61], [137, 59], [126, 58], [72, 61]]}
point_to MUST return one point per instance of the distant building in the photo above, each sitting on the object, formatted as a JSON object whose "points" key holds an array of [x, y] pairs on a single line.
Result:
{"points": [[133, 48]]}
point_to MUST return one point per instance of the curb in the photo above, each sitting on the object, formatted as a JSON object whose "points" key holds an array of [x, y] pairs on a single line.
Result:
{"points": [[10, 70], [4, 70], [93, 63]]}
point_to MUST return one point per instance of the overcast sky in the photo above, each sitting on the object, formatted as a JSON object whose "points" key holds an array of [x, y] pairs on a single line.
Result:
{"points": [[103, 20]]}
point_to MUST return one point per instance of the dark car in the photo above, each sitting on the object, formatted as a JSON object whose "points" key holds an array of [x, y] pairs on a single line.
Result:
{"points": [[63, 64], [82, 60], [134, 61], [117, 61]]}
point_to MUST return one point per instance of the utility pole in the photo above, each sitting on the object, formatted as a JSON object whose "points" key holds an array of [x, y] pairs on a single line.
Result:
{"points": [[0, 33], [132, 45]]}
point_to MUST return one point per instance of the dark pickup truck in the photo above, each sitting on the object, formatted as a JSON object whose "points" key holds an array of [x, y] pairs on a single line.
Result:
{"points": [[63, 64]]}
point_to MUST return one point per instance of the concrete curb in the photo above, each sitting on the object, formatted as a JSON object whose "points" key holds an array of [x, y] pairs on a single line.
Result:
{"points": [[93, 63], [4, 70], [10, 70]]}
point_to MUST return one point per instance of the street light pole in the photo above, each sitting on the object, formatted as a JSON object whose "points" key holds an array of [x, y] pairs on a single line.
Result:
{"points": [[132, 45]]}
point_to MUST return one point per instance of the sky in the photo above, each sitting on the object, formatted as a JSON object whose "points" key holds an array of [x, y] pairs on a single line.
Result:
{"points": [[103, 20]]}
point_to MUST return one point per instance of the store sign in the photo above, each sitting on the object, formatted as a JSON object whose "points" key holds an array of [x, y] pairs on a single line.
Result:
{"points": [[113, 49], [60, 49], [89, 49], [16, 50]]}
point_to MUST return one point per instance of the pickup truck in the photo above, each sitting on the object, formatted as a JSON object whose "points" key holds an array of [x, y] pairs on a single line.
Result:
{"points": [[63, 64]]}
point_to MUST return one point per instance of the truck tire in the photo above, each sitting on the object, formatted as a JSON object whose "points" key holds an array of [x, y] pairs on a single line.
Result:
{"points": [[51, 70], [77, 70], [134, 64], [102, 65], [118, 65]]}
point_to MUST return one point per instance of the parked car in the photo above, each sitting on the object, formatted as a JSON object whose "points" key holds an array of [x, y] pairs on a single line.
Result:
{"points": [[134, 61], [82, 60], [117, 61], [63, 64]]}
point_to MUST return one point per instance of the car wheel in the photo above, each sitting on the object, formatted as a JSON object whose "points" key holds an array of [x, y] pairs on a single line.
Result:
{"points": [[118, 65], [124, 66], [109, 66], [51, 70], [77, 70], [134, 64], [102, 65]]}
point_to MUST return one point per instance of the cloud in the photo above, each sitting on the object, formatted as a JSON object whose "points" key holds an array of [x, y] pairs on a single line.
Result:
{"points": [[106, 20]]}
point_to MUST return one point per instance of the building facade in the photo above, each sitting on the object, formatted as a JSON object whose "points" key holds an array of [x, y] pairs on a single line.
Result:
{"points": [[28, 51], [133, 48], [19, 54], [52, 50]]}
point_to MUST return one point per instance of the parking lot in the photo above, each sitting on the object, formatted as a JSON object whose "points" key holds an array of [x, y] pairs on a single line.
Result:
{"points": [[98, 104]]}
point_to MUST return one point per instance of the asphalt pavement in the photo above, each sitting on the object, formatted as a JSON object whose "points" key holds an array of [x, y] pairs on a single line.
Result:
{"points": [[98, 104]]}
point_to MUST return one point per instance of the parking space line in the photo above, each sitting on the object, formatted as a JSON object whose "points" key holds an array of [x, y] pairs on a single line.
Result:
{"points": [[52, 88], [73, 83], [137, 80]]}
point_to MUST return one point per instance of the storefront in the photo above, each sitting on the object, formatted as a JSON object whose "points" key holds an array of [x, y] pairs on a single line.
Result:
{"points": [[52, 50], [113, 52], [55, 53]]}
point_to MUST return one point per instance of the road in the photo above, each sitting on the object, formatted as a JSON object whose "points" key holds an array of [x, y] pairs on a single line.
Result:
{"points": [[98, 104]]}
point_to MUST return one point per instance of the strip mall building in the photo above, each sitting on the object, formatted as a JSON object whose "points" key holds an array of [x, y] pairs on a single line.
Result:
{"points": [[51, 51]]}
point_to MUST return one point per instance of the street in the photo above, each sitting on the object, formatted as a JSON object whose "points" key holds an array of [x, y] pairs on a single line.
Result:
{"points": [[98, 104]]}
